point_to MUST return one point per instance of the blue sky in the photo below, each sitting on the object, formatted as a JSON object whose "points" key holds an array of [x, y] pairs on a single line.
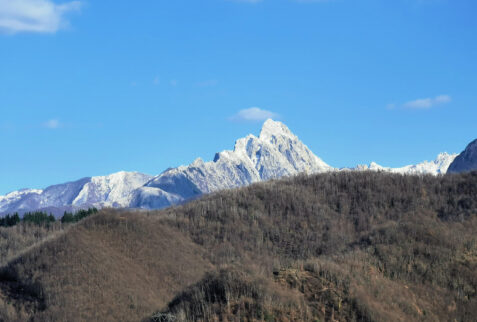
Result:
{"points": [[94, 87]]}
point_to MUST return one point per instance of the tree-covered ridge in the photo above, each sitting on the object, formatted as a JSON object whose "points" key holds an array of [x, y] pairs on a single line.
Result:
{"points": [[10, 220], [44, 218], [69, 217], [359, 246]]}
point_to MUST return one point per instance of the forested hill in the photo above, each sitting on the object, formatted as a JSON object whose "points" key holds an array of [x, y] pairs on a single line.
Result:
{"points": [[346, 246]]}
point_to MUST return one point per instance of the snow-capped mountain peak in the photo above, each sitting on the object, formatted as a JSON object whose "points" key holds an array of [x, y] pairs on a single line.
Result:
{"points": [[272, 129], [275, 153]]}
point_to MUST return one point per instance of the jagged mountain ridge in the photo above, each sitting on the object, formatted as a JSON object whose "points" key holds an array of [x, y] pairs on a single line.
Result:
{"points": [[275, 153]]}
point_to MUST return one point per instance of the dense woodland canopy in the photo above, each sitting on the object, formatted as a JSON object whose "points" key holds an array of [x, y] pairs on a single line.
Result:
{"points": [[44, 218], [360, 246]]}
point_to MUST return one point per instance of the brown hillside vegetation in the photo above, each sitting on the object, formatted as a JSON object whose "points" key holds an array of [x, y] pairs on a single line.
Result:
{"points": [[111, 267], [342, 246], [19, 238]]}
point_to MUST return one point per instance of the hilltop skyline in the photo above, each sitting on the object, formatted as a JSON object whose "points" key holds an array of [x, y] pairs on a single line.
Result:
{"points": [[86, 89]]}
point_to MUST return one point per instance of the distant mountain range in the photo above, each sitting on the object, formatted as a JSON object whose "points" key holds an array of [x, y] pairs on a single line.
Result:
{"points": [[438, 166], [275, 153], [104, 191]]}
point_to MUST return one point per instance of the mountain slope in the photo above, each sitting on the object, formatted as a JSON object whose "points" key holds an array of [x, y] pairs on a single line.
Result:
{"points": [[111, 191], [466, 161]]}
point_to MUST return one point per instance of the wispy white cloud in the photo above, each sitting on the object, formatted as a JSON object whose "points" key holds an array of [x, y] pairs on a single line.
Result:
{"points": [[420, 103], [52, 124], [42, 16], [426, 103], [441, 99], [174, 82], [253, 114]]}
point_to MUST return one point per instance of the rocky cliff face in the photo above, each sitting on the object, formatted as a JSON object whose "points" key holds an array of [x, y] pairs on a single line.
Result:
{"points": [[466, 161]]}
